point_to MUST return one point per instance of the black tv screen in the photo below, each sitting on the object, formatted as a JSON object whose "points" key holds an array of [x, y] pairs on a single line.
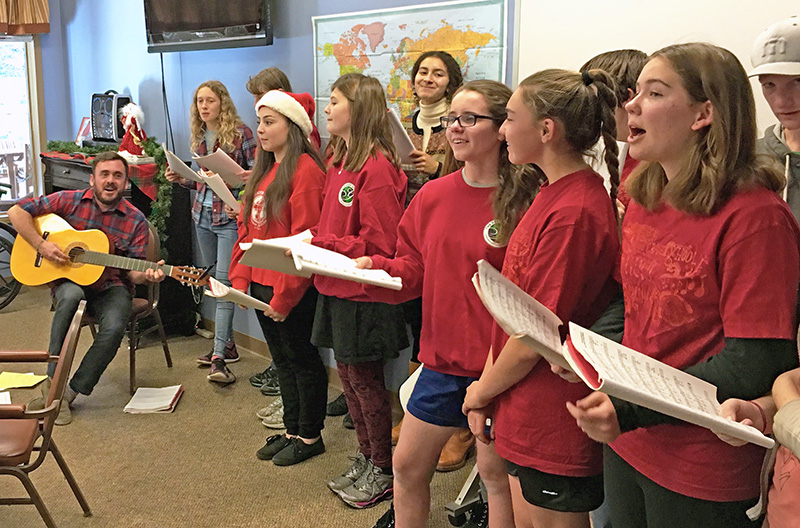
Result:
{"points": [[184, 25]]}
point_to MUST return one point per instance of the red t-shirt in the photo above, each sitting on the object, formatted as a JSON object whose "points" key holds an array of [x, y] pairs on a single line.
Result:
{"points": [[360, 213], [301, 212], [689, 282], [448, 227], [627, 169], [562, 253]]}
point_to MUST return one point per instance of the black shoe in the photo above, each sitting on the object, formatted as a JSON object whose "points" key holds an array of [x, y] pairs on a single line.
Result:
{"points": [[478, 516], [296, 451], [274, 445], [387, 519], [338, 406], [259, 378], [271, 387], [347, 422]]}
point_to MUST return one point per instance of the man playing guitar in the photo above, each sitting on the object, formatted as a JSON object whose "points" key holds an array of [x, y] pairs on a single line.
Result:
{"points": [[102, 207]]}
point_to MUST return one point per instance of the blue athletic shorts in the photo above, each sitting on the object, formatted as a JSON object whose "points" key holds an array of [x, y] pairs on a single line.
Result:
{"points": [[437, 398]]}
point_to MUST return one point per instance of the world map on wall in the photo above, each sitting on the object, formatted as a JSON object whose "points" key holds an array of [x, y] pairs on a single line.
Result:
{"points": [[386, 43]]}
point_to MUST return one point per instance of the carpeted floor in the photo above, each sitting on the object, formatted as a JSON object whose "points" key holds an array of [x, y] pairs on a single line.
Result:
{"points": [[195, 467]]}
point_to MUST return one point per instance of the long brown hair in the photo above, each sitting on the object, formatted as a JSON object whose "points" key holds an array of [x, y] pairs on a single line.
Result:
{"points": [[722, 160], [280, 189], [517, 184], [584, 104], [455, 77], [229, 120], [369, 123]]}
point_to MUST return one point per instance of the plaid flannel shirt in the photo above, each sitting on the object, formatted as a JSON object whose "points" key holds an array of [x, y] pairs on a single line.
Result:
{"points": [[125, 226], [244, 154]]}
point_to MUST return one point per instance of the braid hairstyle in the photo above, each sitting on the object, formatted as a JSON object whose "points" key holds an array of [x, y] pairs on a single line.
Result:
{"points": [[517, 184], [722, 160], [584, 105], [229, 120], [370, 131]]}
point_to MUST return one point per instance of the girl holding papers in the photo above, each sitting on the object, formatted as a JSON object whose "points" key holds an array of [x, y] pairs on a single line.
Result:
{"points": [[215, 124], [365, 191], [282, 198], [453, 222], [710, 268], [563, 253]]}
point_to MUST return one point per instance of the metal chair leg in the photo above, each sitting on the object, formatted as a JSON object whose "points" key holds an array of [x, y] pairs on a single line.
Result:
{"points": [[34, 499], [163, 335], [132, 344], [76, 490]]}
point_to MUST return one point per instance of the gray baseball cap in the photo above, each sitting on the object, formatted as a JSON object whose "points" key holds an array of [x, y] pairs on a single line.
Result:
{"points": [[777, 49]]}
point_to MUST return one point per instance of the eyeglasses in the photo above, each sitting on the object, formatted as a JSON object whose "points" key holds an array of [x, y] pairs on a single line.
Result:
{"points": [[466, 120]]}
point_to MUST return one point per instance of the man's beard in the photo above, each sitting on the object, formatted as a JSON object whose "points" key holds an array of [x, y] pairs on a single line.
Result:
{"points": [[98, 194]]}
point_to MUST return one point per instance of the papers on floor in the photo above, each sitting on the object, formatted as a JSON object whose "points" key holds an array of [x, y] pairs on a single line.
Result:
{"points": [[15, 380], [5, 398], [154, 400], [402, 143], [308, 259], [226, 293], [213, 180]]}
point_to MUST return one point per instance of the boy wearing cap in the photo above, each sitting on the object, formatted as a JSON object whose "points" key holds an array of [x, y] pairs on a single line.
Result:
{"points": [[776, 61]]}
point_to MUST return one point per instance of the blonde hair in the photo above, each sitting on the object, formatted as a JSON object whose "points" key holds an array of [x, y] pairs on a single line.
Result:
{"points": [[517, 184], [229, 120], [584, 104], [722, 159], [369, 123]]}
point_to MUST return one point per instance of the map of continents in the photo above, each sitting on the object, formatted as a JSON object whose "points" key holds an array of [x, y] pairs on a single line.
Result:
{"points": [[385, 44]]}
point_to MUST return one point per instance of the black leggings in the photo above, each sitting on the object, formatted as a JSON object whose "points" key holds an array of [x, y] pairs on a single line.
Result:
{"points": [[638, 502]]}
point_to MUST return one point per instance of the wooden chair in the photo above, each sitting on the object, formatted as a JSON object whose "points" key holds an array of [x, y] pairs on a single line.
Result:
{"points": [[21, 427], [142, 307]]}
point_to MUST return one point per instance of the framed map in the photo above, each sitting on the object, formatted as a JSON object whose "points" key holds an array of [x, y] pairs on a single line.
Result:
{"points": [[385, 44]]}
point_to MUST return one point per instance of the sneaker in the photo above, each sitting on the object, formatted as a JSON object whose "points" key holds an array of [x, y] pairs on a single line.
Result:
{"points": [[348, 478], [231, 355], [297, 451], [259, 378], [274, 420], [270, 409], [220, 373], [64, 416], [273, 446], [271, 387], [371, 487], [478, 516], [347, 422], [387, 519], [337, 407]]}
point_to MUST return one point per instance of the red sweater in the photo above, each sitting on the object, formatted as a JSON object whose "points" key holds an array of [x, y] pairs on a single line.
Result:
{"points": [[562, 253], [360, 213], [301, 212], [448, 227]]}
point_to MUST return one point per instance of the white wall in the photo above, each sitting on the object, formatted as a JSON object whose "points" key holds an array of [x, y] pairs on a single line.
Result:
{"points": [[567, 34]]}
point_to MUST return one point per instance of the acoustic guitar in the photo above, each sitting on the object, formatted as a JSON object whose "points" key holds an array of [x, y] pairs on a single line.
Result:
{"points": [[88, 252]]}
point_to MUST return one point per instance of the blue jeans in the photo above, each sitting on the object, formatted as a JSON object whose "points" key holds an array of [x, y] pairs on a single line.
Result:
{"points": [[216, 246], [111, 308]]}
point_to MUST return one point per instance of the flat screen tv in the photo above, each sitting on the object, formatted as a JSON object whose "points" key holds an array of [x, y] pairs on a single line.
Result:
{"points": [[185, 25]]}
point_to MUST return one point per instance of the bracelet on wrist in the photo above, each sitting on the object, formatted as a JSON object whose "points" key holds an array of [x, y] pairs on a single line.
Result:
{"points": [[763, 416]]}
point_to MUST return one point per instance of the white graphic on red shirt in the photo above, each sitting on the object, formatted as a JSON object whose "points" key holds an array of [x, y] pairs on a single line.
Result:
{"points": [[258, 213]]}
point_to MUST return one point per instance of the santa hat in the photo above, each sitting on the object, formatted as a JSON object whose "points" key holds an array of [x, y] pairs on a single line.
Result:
{"points": [[298, 108]]}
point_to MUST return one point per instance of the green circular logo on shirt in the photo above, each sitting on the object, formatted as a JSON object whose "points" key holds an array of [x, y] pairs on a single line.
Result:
{"points": [[346, 194], [491, 232]]}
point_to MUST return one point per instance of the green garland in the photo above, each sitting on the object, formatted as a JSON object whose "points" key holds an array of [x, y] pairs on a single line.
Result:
{"points": [[160, 207]]}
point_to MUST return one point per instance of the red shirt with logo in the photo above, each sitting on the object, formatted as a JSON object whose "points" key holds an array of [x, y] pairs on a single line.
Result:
{"points": [[300, 212], [689, 282], [360, 213], [563, 254], [448, 227]]}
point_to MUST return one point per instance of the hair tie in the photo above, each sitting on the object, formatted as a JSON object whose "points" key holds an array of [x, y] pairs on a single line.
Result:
{"points": [[587, 79]]}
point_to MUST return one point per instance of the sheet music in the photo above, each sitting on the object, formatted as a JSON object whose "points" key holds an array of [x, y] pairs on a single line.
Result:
{"points": [[216, 184], [177, 165], [402, 143], [221, 291], [219, 162]]}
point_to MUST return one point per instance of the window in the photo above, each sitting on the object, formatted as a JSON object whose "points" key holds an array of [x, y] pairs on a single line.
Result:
{"points": [[19, 134]]}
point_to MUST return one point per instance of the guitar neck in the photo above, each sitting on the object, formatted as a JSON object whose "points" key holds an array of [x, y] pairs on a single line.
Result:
{"points": [[117, 261]]}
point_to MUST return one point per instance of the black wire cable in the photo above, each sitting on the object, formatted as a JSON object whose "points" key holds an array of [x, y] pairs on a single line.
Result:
{"points": [[169, 138]]}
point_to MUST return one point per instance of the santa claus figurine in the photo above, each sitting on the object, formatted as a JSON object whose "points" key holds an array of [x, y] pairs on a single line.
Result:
{"points": [[133, 141]]}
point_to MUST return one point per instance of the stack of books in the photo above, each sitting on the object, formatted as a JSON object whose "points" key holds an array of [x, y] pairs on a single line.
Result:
{"points": [[153, 400]]}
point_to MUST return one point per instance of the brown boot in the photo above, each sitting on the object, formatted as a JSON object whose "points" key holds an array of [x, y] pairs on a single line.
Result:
{"points": [[456, 451], [396, 432]]}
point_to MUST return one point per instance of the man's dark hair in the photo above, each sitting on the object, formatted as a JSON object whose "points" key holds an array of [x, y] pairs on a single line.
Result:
{"points": [[109, 156]]}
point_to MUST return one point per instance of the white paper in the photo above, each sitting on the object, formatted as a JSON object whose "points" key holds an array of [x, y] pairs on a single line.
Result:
{"points": [[216, 184], [219, 162], [5, 398], [152, 400], [402, 143], [271, 254], [221, 291], [178, 166]]}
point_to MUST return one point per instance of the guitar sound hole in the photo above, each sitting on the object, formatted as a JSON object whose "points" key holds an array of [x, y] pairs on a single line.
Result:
{"points": [[75, 253]]}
